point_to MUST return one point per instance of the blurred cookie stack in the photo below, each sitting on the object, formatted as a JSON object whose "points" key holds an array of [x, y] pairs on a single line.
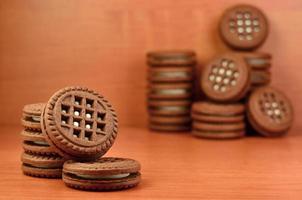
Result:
{"points": [[245, 28], [39, 158], [260, 64], [79, 126], [170, 89], [235, 83]]}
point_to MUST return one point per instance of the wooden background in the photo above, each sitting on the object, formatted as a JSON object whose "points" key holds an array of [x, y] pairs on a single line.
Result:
{"points": [[46, 45]]}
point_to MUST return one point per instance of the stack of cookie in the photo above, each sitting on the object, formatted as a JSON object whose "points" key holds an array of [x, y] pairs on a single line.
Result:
{"points": [[76, 125], [170, 91], [218, 121], [227, 80], [259, 63], [39, 158], [245, 28]]}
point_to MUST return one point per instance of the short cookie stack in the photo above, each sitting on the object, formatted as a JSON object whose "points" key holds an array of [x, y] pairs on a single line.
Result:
{"points": [[76, 125], [260, 64], [218, 121], [170, 90], [39, 158]]}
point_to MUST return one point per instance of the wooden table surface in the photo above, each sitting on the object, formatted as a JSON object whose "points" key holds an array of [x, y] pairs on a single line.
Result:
{"points": [[175, 166]]}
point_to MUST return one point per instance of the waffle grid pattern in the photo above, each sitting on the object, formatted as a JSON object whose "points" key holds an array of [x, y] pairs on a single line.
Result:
{"points": [[79, 115], [244, 24]]}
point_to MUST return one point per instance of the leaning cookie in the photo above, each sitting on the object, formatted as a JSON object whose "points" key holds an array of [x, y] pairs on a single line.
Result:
{"points": [[79, 123], [42, 166], [103, 174], [31, 116], [270, 112]]}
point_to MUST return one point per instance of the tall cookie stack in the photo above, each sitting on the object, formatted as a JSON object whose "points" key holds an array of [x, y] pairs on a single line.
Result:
{"points": [[39, 158], [79, 126], [170, 90]]}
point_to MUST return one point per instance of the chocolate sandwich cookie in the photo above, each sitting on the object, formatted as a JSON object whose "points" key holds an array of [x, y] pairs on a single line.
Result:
{"points": [[32, 135], [38, 146], [42, 166], [260, 77], [217, 118], [226, 78], [102, 174], [269, 112], [31, 116], [257, 60], [169, 107], [217, 109], [219, 135], [243, 27], [170, 127], [79, 123], [171, 58], [170, 91], [170, 74], [155, 119], [218, 127]]}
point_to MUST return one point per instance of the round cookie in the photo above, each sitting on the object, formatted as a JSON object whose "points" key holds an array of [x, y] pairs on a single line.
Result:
{"points": [[260, 77], [170, 74], [38, 148], [31, 116], [32, 135], [217, 118], [243, 27], [226, 78], [223, 127], [216, 109], [171, 58], [170, 91], [169, 127], [102, 174], [218, 135], [42, 166], [169, 107], [257, 60], [269, 112], [79, 123], [155, 119]]}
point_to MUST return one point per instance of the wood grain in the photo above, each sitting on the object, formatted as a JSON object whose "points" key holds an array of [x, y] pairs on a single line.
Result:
{"points": [[175, 166], [46, 45]]}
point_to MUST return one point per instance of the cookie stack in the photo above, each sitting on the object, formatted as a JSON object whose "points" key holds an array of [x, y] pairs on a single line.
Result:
{"points": [[39, 158], [234, 79], [73, 130], [225, 81], [218, 121], [245, 28], [170, 90], [260, 64]]}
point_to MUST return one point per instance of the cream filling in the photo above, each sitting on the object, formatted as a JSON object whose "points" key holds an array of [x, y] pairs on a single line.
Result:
{"points": [[172, 74], [40, 167], [258, 61], [171, 91], [100, 177], [36, 118], [37, 143]]}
